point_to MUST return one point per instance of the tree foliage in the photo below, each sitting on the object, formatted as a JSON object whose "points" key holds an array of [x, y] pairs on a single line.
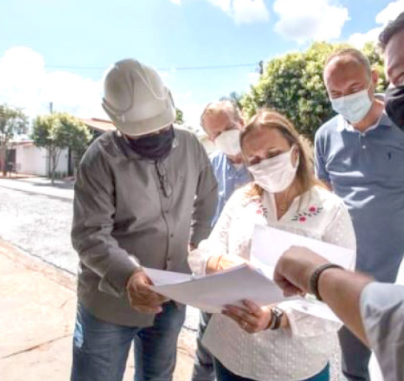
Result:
{"points": [[12, 122], [293, 85], [180, 116], [56, 132]]}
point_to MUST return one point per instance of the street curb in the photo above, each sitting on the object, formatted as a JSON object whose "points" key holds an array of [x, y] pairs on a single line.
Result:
{"points": [[32, 263]]}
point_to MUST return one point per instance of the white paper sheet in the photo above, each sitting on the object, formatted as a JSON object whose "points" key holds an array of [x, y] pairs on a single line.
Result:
{"points": [[268, 245], [212, 292], [164, 278], [314, 308]]}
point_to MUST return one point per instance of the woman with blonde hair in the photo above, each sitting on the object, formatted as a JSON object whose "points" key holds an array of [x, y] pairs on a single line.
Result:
{"points": [[272, 343]]}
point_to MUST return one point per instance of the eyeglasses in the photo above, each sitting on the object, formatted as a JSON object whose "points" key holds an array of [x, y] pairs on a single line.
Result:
{"points": [[163, 179]]}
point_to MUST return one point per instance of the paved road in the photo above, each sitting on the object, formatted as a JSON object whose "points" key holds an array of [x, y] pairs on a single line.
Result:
{"points": [[37, 218], [40, 224]]}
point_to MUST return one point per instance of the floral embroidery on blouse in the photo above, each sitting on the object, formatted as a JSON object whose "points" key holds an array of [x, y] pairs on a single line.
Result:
{"points": [[312, 211], [261, 209]]}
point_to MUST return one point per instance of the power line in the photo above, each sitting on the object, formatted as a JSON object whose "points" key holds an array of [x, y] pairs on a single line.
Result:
{"points": [[181, 68]]}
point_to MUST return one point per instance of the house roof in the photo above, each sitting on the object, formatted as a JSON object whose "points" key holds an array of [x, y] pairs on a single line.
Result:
{"points": [[27, 143], [100, 125]]}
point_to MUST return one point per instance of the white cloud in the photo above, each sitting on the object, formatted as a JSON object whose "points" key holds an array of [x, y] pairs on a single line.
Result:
{"points": [[26, 84], [387, 14], [390, 12], [249, 11], [178, 2], [243, 11], [192, 111], [360, 39], [253, 78], [308, 20]]}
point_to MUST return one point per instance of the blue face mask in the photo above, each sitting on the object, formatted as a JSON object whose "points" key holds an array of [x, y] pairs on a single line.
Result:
{"points": [[154, 147], [353, 107]]}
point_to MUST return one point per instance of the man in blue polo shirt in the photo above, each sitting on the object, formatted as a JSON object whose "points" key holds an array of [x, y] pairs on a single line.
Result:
{"points": [[360, 154], [222, 122]]}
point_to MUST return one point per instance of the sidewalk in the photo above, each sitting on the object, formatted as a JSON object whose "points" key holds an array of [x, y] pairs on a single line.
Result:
{"points": [[37, 311], [40, 185]]}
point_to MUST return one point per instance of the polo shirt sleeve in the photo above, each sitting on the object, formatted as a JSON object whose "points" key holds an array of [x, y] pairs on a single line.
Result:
{"points": [[320, 158], [382, 311]]}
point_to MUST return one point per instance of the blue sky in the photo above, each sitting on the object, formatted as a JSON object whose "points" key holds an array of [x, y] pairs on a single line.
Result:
{"points": [[58, 50]]}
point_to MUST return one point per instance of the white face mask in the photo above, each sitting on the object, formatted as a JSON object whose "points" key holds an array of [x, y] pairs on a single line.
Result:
{"points": [[229, 142], [353, 107], [275, 174]]}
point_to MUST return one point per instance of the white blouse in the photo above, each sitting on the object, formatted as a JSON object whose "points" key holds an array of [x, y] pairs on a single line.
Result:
{"points": [[284, 355]]}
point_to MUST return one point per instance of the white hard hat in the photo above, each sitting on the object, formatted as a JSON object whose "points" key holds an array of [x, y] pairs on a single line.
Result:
{"points": [[136, 99]]}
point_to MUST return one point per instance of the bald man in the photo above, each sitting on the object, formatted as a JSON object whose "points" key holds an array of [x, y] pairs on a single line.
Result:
{"points": [[360, 154]]}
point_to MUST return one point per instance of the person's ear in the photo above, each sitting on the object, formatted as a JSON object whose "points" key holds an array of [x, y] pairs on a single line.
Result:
{"points": [[295, 155], [242, 124]]}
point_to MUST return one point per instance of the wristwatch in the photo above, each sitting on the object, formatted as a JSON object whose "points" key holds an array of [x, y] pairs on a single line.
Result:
{"points": [[276, 318], [315, 277]]}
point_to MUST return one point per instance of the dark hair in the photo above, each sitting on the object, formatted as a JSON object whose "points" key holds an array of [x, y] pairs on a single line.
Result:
{"points": [[272, 119], [392, 28]]}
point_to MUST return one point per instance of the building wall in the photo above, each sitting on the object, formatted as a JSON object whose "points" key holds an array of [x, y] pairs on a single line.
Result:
{"points": [[32, 160]]}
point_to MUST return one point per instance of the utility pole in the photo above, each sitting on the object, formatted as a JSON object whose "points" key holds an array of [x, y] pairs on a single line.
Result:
{"points": [[261, 67], [51, 107]]}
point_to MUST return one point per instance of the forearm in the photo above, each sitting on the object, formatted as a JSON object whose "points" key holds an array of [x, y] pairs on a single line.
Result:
{"points": [[102, 254], [342, 290]]}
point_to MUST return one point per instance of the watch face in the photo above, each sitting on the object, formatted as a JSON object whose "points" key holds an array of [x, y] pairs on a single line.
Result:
{"points": [[277, 314], [277, 311]]}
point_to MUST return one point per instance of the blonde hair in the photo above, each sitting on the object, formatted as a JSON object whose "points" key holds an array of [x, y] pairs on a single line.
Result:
{"points": [[270, 119]]}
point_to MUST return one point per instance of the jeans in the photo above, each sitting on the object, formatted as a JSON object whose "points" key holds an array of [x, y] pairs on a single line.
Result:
{"points": [[223, 374], [203, 366], [100, 349], [355, 357]]}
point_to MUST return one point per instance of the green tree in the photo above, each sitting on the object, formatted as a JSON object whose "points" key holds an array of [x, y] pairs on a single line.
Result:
{"points": [[56, 132], [77, 135], [180, 116], [12, 121], [293, 85]]}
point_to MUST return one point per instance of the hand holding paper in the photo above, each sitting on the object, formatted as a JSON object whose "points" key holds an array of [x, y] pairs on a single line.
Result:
{"points": [[213, 292]]}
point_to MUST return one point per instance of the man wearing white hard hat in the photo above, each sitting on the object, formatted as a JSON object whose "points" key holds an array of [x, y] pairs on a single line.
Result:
{"points": [[142, 195], [222, 122]]}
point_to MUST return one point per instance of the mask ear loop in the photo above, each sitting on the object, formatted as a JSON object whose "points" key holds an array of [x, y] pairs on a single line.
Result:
{"points": [[295, 146]]}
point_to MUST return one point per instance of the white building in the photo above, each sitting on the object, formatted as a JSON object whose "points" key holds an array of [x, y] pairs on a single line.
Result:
{"points": [[31, 160]]}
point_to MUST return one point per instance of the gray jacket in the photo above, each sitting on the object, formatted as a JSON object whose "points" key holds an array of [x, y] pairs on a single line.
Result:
{"points": [[123, 219]]}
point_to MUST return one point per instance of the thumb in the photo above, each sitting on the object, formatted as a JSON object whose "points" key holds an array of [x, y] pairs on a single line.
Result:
{"points": [[144, 280]]}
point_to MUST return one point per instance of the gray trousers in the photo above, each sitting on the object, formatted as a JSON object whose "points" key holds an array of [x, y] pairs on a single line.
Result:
{"points": [[355, 357], [203, 367]]}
